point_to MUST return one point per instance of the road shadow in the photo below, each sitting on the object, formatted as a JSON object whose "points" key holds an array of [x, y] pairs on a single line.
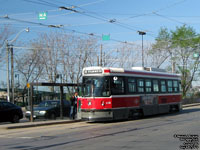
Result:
{"points": [[184, 111]]}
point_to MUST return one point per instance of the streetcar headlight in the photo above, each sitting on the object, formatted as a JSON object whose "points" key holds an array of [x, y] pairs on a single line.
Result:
{"points": [[102, 103], [89, 103]]}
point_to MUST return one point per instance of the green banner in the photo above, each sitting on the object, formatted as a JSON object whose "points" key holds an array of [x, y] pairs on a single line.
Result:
{"points": [[105, 37], [42, 16]]}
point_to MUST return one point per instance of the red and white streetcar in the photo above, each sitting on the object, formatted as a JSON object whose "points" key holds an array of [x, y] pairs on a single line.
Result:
{"points": [[116, 93]]}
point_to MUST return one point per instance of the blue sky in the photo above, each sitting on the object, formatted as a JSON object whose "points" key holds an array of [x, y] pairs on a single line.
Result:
{"points": [[94, 16]]}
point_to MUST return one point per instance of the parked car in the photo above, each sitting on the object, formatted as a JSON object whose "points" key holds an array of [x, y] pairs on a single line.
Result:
{"points": [[10, 112], [49, 109]]}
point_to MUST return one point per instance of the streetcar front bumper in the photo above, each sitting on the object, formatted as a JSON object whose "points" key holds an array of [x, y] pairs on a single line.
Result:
{"points": [[96, 115]]}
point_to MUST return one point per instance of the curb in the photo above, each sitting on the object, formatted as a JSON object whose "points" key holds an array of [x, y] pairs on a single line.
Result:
{"points": [[37, 124], [190, 105]]}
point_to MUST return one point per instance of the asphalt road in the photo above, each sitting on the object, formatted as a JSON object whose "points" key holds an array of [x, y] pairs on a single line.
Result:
{"points": [[160, 132]]}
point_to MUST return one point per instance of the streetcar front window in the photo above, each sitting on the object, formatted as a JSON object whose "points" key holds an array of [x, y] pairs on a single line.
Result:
{"points": [[96, 87]]}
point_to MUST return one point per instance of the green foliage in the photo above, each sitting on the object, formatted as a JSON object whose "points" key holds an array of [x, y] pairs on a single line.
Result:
{"points": [[184, 37], [179, 45], [162, 41]]}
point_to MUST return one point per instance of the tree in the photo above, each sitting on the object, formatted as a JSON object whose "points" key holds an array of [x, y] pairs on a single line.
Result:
{"points": [[161, 49], [79, 52], [65, 55], [179, 46], [29, 66], [186, 42], [124, 55]]}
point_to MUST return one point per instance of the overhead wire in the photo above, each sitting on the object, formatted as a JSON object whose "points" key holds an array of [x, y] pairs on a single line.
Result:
{"points": [[99, 17], [156, 11], [73, 31], [123, 25], [53, 10], [41, 3], [23, 21], [171, 5], [85, 14], [62, 27], [111, 21], [165, 17]]}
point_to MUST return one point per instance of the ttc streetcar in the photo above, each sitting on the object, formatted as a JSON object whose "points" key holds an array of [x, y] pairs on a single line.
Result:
{"points": [[116, 93]]}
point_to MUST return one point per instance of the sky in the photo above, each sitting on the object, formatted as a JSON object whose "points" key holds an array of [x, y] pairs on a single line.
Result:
{"points": [[121, 19]]}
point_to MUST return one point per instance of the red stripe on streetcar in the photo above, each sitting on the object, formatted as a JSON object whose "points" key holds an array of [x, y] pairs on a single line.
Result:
{"points": [[106, 70]]}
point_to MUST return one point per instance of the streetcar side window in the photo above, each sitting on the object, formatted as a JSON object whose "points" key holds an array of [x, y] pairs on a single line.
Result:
{"points": [[169, 85], [175, 86], [117, 85], [106, 89], [180, 87], [131, 85], [155, 86], [140, 85], [148, 85], [163, 86]]}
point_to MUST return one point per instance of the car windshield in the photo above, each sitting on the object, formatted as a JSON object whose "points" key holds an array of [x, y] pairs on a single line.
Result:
{"points": [[96, 86], [48, 104]]}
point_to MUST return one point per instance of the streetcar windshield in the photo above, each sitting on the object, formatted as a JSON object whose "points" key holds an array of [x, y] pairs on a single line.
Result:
{"points": [[96, 87]]}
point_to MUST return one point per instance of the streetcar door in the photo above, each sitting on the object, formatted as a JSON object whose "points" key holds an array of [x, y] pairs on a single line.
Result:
{"points": [[149, 103]]}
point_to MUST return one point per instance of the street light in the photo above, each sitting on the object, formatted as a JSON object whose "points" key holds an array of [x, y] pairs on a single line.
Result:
{"points": [[10, 49], [17, 76], [142, 33]]}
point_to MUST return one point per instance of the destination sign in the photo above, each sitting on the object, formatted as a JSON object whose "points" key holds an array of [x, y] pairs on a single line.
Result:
{"points": [[98, 71]]}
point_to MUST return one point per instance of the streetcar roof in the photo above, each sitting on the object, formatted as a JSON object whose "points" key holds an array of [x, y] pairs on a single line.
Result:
{"points": [[136, 71]]}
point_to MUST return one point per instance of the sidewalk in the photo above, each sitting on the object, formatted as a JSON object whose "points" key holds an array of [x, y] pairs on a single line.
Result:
{"points": [[191, 105], [36, 124], [54, 122]]}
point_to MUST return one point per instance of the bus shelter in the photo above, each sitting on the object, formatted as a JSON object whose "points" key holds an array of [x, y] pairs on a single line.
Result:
{"points": [[61, 85]]}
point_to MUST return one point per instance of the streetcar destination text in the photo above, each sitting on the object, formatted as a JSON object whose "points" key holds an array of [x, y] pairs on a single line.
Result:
{"points": [[93, 71]]}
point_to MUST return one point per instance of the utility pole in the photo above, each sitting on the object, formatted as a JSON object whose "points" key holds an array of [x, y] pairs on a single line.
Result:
{"points": [[97, 60], [8, 74], [173, 66], [101, 61], [104, 59], [8, 49], [61, 102], [12, 75], [142, 33]]}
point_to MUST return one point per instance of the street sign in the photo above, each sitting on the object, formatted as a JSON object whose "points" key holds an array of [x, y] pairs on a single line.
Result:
{"points": [[105, 37], [42, 16], [195, 55], [28, 85]]}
